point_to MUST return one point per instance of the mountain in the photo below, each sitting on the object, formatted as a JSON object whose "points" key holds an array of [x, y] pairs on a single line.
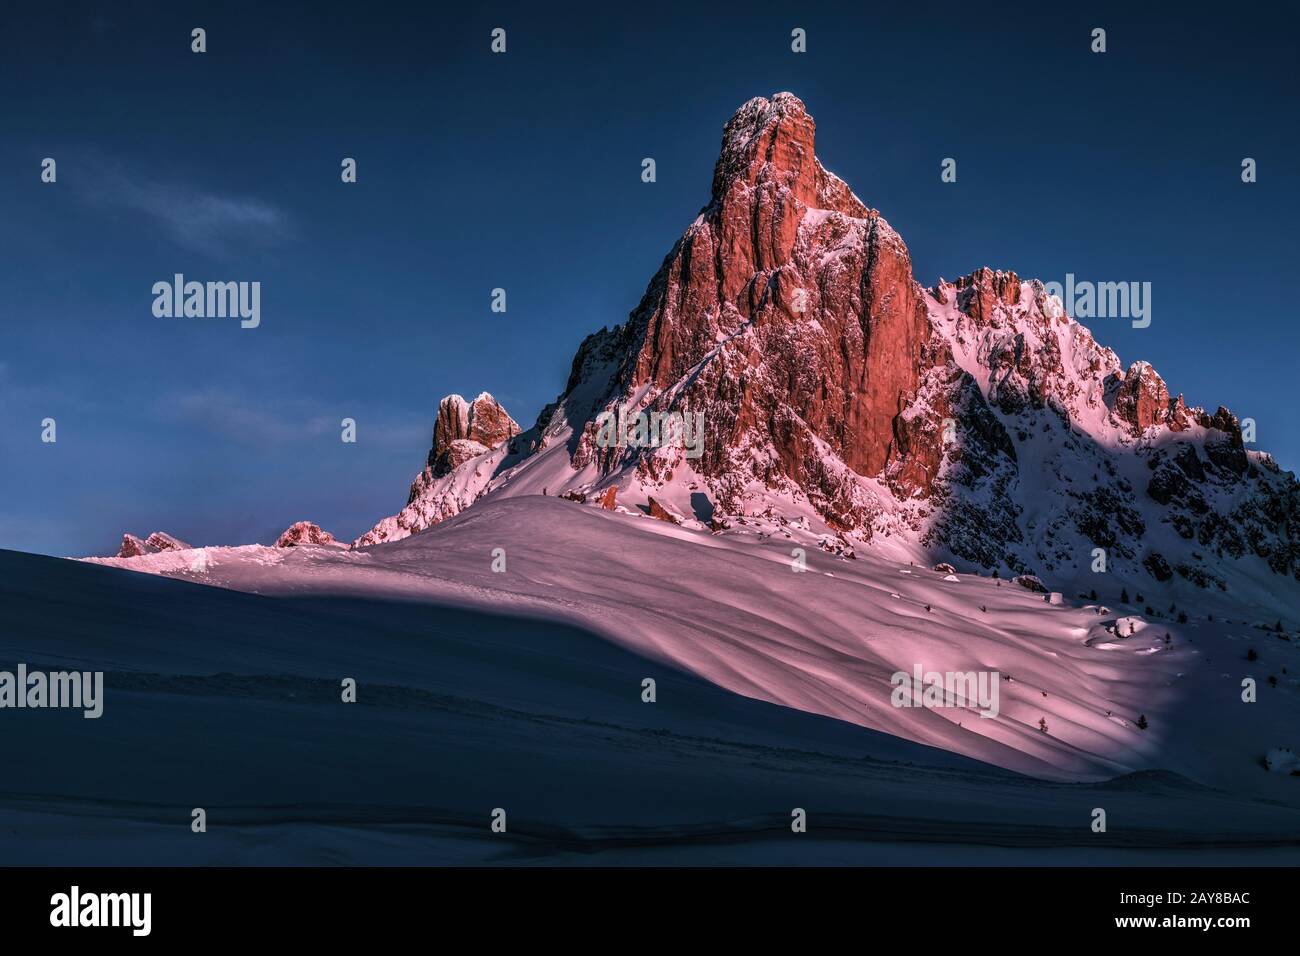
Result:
{"points": [[971, 421], [579, 624], [454, 474], [304, 533], [133, 547]]}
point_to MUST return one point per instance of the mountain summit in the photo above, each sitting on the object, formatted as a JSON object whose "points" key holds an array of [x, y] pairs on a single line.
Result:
{"points": [[973, 420]]}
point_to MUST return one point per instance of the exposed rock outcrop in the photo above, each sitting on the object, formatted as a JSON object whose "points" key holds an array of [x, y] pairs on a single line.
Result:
{"points": [[161, 541], [465, 430], [133, 547], [663, 514], [304, 532], [463, 434]]}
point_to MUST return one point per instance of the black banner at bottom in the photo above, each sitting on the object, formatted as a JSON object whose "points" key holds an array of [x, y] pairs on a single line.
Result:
{"points": [[334, 906]]}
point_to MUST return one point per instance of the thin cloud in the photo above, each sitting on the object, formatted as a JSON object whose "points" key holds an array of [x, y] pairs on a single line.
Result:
{"points": [[203, 221]]}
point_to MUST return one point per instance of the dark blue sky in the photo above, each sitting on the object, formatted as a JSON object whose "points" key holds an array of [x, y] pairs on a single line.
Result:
{"points": [[523, 171]]}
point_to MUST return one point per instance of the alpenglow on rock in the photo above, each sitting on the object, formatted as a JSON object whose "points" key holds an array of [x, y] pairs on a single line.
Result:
{"points": [[133, 547], [465, 430], [304, 532], [464, 433]]}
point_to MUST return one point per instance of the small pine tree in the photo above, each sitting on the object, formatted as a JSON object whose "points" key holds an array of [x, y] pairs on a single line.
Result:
{"points": [[1272, 680], [1042, 724], [995, 574], [1142, 722], [1141, 599], [1123, 596], [1182, 617], [1172, 607], [1168, 639], [1278, 626], [1252, 655], [1092, 595]]}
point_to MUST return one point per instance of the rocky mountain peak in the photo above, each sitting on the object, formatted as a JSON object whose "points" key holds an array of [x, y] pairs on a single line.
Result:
{"points": [[771, 145], [304, 532], [454, 473], [1143, 400], [974, 422], [979, 293], [466, 429], [768, 141], [133, 547], [787, 312]]}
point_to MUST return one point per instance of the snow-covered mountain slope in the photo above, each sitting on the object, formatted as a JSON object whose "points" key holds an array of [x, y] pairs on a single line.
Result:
{"points": [[732, 610], [973, 421], [1057, 451], [522, 689], [464, 434]]}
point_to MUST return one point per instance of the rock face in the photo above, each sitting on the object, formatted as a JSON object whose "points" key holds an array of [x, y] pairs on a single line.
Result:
{"points": [[1143, 401], [827, 380], [161, 541], [133, 547], [465, 430], [663, 514], [304, 532], [454, 474], [787, 315]]}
